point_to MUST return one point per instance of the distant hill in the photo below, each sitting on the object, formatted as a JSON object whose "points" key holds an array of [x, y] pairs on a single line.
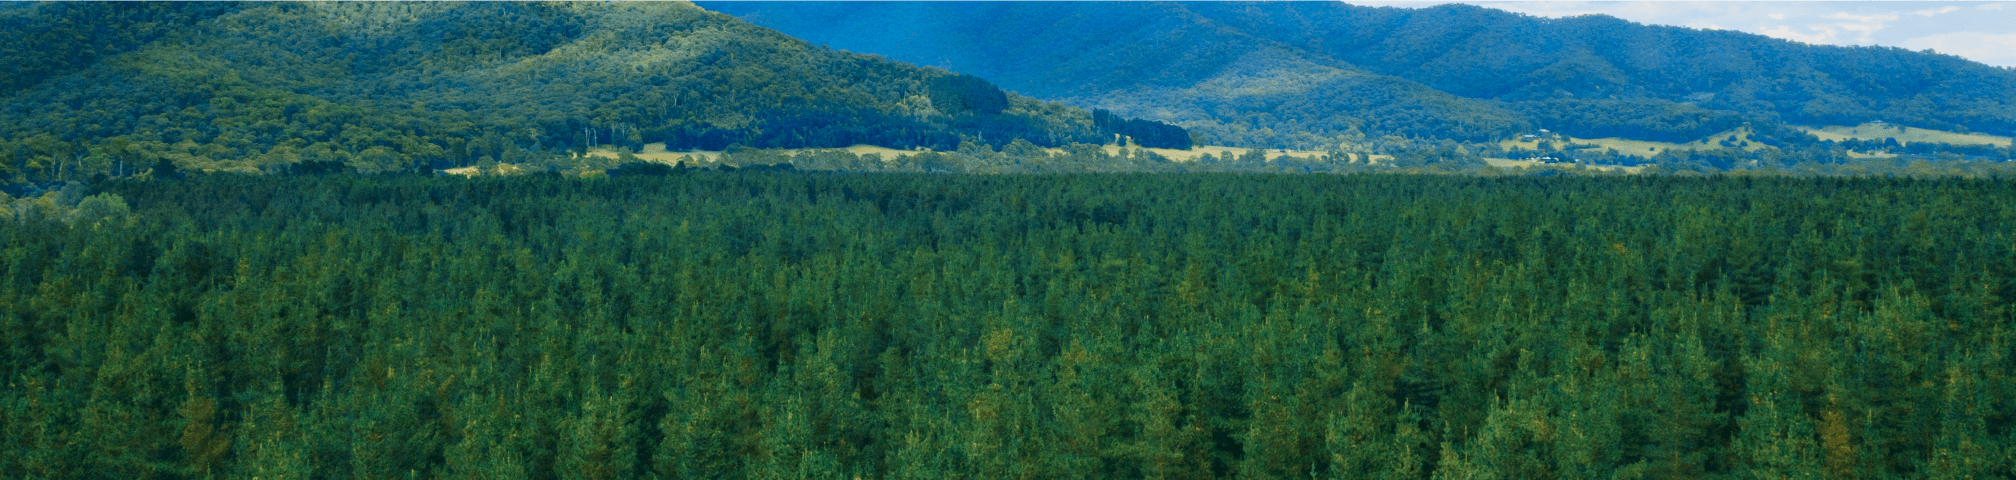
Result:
{"points": [[113, 88], [1153, 60], [1230, 69]]}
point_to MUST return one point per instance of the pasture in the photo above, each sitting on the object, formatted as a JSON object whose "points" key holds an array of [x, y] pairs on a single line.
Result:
{"points": [[1903, 134]]}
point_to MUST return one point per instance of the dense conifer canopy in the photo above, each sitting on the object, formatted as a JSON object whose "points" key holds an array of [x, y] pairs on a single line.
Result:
{"points": [[821, 325]]}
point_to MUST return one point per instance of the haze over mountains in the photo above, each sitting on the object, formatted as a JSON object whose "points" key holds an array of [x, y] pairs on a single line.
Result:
{"points": [[1304, 73], [117, 89]]}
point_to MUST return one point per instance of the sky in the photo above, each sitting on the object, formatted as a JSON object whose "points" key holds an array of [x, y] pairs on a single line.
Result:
{"points": [[1980, 31]]}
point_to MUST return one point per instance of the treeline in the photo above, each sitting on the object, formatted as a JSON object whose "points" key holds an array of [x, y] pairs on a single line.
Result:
{"points": [[399, 87], [1022, 157], [1792, 146], [1146, 133], [1634, 119], [821, 325]]}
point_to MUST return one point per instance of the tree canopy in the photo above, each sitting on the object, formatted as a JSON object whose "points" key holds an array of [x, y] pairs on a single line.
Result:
{"points": [[386, 87], [1303, 74]]}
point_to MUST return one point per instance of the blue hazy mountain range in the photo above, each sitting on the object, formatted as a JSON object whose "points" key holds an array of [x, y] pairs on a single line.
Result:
{"points": [[1302, 73]]}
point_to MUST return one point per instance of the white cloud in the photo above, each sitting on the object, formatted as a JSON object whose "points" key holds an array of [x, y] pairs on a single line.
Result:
{"points": [[1931, 12], [1818, 22], [1823, 36], [1864, 18], [1867, 24], [1989, 48]]}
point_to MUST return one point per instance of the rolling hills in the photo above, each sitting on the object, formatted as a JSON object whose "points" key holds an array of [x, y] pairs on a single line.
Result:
{"points": [[384, 87], [1292, 73]]}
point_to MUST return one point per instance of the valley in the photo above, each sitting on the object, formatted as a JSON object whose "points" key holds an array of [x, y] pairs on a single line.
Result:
{"points": [[992, 240], [1880, 131]]}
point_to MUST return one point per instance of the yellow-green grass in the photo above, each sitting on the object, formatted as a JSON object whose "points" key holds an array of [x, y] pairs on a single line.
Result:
{"points": [[655, 152], [1196, 152], [502, 169], [1637, 148], [1905, 135], [1513, 163]]}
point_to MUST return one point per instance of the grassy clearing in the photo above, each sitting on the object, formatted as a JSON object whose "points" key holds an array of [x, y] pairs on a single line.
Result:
{"points": [[655, 152], [1903, 134], [1638, 148], [1514, 163], [502, 169], [1199, 151]]}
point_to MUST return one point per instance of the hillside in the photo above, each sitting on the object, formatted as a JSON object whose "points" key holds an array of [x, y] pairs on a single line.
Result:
{"points": [[387, 87], [1152, 60], [1492, 71]]}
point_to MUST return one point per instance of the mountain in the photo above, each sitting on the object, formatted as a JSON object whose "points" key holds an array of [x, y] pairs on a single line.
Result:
{"points": [[1153, 60], [1230, 69], [394, 86]]}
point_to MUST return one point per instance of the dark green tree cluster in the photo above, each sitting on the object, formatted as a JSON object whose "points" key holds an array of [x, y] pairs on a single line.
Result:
{"points": [[41, 40], [1635, 119], [1146, 133], [822, 325], [966, 93]]}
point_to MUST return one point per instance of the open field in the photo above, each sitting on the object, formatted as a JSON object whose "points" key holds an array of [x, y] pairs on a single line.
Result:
{"points": [[502, 169], [655, 152], [1903, 134], [1636, 148], [1199, 151], [1513, 163]]}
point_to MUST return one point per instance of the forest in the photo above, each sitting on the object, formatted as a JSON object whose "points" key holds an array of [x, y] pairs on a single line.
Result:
{"points": [[232, 246], [387, 88], [398, 87], [1306, 74], [778, 324]]}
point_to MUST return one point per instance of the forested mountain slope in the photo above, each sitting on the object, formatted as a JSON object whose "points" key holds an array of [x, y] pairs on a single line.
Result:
{"points": [[396, 86], [1154, 60], [48, 39], [1594, 76]]}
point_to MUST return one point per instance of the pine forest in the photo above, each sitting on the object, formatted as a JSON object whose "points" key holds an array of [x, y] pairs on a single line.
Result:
{"points": [[780, 324]]}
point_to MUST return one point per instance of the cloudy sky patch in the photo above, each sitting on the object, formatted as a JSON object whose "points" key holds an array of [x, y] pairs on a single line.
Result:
{"points": [[1980, 31]]}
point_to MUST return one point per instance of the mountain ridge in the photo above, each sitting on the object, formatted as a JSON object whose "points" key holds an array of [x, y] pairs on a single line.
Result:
{"points": [[1569, 74], [386, 87]]}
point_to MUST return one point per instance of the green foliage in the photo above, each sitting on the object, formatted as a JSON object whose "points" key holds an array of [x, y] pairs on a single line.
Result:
{"points": [[817, 325], [47, 39], [396, 87], [1311, 74], [957, 94]]}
